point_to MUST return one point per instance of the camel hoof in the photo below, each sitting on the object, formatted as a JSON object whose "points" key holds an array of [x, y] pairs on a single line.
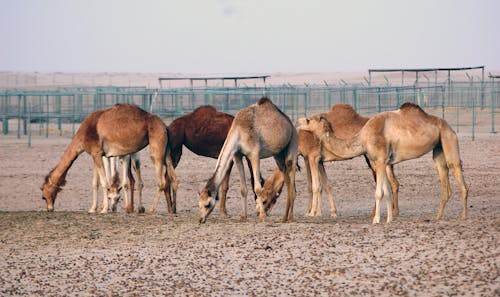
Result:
{"points": [[91, 211], [104, 211], [224, 215], [141, 209], [333, 214], [243, 218]]}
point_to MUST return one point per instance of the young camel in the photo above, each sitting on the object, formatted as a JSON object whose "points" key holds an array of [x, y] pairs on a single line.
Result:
{"points": [[395, 136], [347, 123], [116, 185], [117, 131], [258, 131]]}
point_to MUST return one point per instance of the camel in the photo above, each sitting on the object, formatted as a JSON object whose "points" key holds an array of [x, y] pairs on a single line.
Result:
{"points": [[116, 185], [395, 136], [258, 131], [347, 123], [203, 131], [117, 131]]}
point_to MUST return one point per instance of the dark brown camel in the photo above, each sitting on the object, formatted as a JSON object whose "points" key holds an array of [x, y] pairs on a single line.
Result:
{"points": [[203, 131], [117, 131]]}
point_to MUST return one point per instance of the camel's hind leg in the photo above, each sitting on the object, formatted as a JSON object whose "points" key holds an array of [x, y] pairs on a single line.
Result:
{"points": [[288, 167], [255, 161], [382, 189], [243, 185], [442, 168], [394, 189], [161, 170], [325, 183], [224, 187], [136, 164]]}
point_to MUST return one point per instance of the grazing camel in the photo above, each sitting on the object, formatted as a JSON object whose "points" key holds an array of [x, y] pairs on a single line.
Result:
{"points": [[117, 131], [395, 136], [203, 131], [116, 185], [258, 131], [347, 123]]}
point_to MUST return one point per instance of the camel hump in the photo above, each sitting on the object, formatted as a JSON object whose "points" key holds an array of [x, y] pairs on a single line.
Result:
{"points": [[410, 106], [205, 109], [264, 100]]}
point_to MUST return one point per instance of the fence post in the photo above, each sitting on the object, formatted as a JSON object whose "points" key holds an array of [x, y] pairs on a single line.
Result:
{"points": [[19, 116], [29, 126], [473, 119], [5, 120], [493, 110]]}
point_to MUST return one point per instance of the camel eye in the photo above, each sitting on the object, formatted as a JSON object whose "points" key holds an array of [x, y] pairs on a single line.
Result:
{"points": [[209, 193]]}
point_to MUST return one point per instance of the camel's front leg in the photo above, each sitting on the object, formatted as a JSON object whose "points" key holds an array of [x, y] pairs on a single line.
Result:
{"points": [[316, 188], [309, 186], [95, 189], [125, 163], [98, 163], [328, 187], [243, 185], [224, 187]]}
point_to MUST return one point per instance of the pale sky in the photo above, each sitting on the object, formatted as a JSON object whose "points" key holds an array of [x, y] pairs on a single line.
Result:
{"points": [[246, 36]]}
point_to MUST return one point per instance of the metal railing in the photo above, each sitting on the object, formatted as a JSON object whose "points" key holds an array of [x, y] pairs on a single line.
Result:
{"points": [[466, 106]]}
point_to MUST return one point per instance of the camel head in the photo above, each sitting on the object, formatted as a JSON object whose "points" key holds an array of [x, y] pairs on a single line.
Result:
{"points": [[269, 199], [49, 191], [114, 192], [206, 204], [318, 125], [114, 197]]}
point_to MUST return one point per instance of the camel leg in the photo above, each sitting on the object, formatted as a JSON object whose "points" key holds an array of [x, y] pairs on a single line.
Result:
{"points": [[140, 183], [257, 187], [243, 185], [379, 191], [388, 197], [449, 142], [130, 208], [442, 168], [458, 172], [160, 169], [328, 187], [95, 189], [173, 183], [309, 186], [316, 187], [98, 163], [394, 189], [289, 166], [125, 163], [223, 192]]}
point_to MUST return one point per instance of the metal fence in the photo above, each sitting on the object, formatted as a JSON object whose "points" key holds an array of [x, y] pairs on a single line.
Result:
{"points": [[470, 108]]}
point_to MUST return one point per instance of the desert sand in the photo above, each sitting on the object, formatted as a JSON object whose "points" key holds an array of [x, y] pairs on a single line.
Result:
{"points": [[72, 253]]}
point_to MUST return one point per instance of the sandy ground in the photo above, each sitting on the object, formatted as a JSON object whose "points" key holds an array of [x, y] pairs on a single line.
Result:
{"points": [[72, 253]]}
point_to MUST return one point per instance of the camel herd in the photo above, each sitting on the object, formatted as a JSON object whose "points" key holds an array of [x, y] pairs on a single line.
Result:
{"points": [[256, 132]]}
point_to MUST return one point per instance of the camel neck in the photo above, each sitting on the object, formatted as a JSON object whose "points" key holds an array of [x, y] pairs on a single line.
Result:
{"points": [[58, 174], [344, 148]]}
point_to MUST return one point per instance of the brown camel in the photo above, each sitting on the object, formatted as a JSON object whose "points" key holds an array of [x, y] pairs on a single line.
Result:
{"points": [[117, 131], [203, 131], [395, 136], [258, 131], [347, 123]]}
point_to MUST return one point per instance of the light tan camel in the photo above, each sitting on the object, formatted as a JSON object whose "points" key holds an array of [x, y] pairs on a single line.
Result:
{"points": [[116, 184], [347, 123], [117, 131], [258, 131], [395, 136]]}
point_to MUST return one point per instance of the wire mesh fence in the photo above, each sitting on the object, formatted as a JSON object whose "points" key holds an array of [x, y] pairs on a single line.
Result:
{"points": [[470, 108]]}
